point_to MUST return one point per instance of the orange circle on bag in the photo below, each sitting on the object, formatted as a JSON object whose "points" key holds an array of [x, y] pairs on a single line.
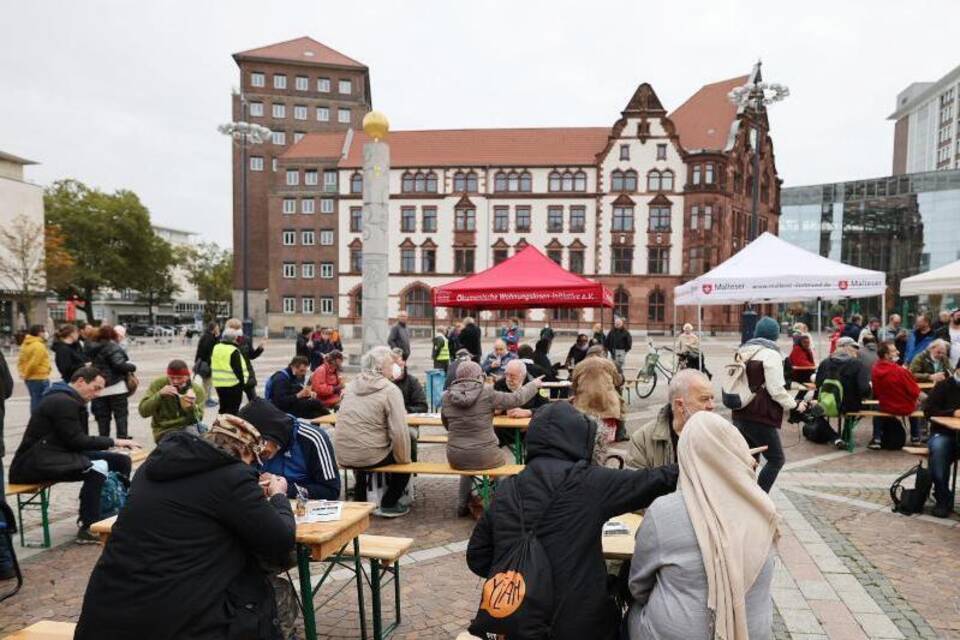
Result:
{"points": [[503, 594]]}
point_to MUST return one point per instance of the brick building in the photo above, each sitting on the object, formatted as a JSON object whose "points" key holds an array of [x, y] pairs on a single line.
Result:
{"points": [[642, 204]]}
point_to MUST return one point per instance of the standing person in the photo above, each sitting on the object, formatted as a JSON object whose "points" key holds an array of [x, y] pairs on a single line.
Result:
{"points": [[941, 323], [872, 329], [512, 335], [56, 447], [547, 333], [918, 339], [399, 337], [6, 390], [453, 337], [618, 343], [290, 393], [953, 337], [34, 363], [853, 328], [704, 561], [327, 381], [201, 361], [760, 421], [187, 553], [598, 336], [304, 345], [372, 428], [467, 413], [896, 390], [944, 400], [109, 357], [568, 500], [68, 354], [892, 329], [837, 332], [470, 339], [231, 371], [173, 402], [441, 351]]}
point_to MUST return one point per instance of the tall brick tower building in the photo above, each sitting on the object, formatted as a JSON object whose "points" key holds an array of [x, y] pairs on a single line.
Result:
{"points": [[294, 88]]}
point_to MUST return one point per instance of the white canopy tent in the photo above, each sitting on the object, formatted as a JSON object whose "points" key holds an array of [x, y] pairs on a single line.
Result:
{"points": [[946, 279], [770, 269]]}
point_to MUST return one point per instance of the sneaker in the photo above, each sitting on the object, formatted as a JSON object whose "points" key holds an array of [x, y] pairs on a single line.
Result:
{"points": [[941, 511], [395, 511], [85, 536], [839, 443], [874, 444]]}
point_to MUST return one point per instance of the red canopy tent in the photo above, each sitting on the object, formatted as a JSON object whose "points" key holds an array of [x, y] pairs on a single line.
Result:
{"points": [[528, 280]]}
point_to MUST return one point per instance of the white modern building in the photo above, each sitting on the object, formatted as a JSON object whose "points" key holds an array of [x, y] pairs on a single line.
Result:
{"points": [[926, 130]]}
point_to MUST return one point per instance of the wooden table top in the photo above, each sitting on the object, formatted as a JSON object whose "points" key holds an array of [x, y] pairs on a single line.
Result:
{"points": [[45, 630], [444, 469], [433, 420], [620, 546], [949, 423]]}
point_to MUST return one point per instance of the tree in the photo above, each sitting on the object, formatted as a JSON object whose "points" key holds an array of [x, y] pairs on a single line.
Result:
{"points": [[22, 268], [58, 261], [210, 270], [152, 278]]}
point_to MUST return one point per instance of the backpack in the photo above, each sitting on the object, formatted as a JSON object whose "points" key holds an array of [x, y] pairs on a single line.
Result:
{"points": [[517, 597], [909, 501], [268, 388], [735, 390], [113, 495], [819, 431], [830, 397]]}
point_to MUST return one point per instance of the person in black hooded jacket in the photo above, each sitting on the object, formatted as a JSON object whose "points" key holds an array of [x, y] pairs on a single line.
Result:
{"points": [[189, 554], [68, 352], [108, 356], [560, 445]]}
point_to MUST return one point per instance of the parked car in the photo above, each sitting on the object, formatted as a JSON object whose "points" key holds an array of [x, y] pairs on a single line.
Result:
{"points": [[138, 330]]}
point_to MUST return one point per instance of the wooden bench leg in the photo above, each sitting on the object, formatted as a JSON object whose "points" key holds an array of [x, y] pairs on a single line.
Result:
{"points": [[847, 426], [377, 573], [358, 566], [44, 506], [375, 597], [517, 447]]}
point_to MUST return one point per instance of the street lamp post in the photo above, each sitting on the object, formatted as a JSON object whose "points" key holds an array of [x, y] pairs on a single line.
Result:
{"points": [[244, 133]]}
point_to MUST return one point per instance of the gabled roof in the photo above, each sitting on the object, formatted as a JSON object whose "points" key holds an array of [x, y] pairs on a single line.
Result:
{"points": [[704, 120], [645, 101], [305, 50]]}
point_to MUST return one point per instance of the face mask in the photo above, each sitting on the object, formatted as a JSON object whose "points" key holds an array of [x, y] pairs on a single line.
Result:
{"points": [[396, 371]]}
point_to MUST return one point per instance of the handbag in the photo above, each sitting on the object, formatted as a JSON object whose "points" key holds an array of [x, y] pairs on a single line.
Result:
{"points": [[132, 382], [202, 368]]}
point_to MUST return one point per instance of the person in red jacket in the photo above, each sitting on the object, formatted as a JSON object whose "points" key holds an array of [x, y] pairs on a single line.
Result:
{"points": [[802, 360], [837, 332], [895, 388], [327, 382]]}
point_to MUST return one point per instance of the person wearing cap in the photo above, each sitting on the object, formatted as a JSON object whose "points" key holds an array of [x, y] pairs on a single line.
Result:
{"points": [[844, 366], [462, 355], [760, 420], [290, 394], [327, 380], [188, 554], [296, 450], [173, 402]]}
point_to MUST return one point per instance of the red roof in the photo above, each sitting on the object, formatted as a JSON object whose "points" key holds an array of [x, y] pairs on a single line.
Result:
{"points": [[703, 121], [528, 280], [303, 49], [317, 145], [468, 147]]}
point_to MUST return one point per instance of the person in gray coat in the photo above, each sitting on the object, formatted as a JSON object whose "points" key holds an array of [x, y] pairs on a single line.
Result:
{"points": [[399, 337]]}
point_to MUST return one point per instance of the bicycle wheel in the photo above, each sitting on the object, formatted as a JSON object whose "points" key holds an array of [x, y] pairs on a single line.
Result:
{"points": [[645, 384]]}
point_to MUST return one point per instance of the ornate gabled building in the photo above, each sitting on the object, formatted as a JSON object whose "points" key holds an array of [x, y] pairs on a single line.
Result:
{"points": [[641, 205]]}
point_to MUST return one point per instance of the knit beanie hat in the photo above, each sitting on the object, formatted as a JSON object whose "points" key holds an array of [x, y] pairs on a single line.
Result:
{"points": [[767, 328], [469, 370], [272, 423]]}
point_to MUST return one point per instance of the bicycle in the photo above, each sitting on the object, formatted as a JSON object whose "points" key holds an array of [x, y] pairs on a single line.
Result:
{"points": [[646, 380]]}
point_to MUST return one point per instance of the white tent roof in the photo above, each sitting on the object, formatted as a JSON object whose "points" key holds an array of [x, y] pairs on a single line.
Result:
{"points": [[770, 269], [946, 279]]}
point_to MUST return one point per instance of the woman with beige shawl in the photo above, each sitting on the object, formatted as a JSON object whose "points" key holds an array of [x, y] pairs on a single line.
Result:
{"points": [[704, 563]]}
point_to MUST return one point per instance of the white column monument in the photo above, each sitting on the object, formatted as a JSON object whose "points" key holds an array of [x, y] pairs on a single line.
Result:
{"points": [[376, 231]]}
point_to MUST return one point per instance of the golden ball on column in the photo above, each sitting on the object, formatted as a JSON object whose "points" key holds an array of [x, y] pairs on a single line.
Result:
{"points": [[376, 125]]}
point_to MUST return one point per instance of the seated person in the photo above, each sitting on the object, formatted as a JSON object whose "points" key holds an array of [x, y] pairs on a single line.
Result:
{"points": [[801, 359], [933, 363], [559, 450], [943, 400], [704, 558], [327, 380], [414, 397], [173, 402], [515, 376], [525, 354], [844, 366], [468, 409], [541, 358], [688, 350], [577, 352], [595, 390], [896, 390], [655, 443], [372, 428], [56, 447], [296, 450], [462, 355], [186, 553], [289, 393], [496, 360]]}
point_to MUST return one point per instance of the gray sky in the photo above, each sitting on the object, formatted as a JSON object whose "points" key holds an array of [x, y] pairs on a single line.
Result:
{"points": [[123, 94]]}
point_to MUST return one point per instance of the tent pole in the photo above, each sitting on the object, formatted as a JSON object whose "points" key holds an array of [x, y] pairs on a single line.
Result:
{"points": [[820, 329], [883, 314], [700, 333]]}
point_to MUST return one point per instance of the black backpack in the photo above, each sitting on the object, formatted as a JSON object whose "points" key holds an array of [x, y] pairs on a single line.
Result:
{"points": [[819, 431], [909, 501]]}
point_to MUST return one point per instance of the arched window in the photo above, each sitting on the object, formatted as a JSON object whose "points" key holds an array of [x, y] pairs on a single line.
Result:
{"points": [[420, 182], [656, 306], [431, 182], [356, 182], [567, 181], [417, 302], [630, 180], [616, 180], [621, 303], [472, 182], [408, 182], [666, 180], [500, 181], [526, 182], [555, 181], [580, 181], [513, 181], [459, 181], [653, 181]]}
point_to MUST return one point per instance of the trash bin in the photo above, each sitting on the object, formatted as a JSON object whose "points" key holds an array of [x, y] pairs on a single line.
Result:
{"points": [[434, 388]]}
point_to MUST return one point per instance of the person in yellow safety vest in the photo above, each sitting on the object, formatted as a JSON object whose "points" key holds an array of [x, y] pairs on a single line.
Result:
{"points": [[441, 351], [230, 371]]}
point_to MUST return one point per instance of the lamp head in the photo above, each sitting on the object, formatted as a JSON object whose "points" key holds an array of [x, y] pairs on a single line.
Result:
{"points": [[376, 125]]}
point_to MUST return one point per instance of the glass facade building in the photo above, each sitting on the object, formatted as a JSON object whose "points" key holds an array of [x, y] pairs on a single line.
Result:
{"points": [[903, 225]]}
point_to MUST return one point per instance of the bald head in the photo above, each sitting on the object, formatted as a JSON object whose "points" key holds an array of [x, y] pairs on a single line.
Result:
{"points": [[499, 347], [690, 391], [515, 374]]}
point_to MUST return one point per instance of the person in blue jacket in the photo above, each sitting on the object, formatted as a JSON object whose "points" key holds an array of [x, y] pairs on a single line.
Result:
{"points": [[296, 450]]}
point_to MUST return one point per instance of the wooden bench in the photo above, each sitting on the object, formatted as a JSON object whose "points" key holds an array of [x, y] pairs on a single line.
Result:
{"points": [[432, 439], [45, 630], [484, 485], [36, 497], [849, 422], [384, 553]]}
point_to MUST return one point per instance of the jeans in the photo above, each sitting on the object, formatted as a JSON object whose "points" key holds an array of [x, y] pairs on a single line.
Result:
{"points": [[208, 388], [759, 435], [396, 484], [111, 406], [943, 451], [93, 483], [36, 389], [880, 423]]}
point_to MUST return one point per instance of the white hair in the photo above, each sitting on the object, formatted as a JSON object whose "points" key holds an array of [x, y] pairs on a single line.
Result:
{"points": [[516, 364], [230, 332], [498, 342], [683, 382], [373, 360], [938, 342], [467, 320]]}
